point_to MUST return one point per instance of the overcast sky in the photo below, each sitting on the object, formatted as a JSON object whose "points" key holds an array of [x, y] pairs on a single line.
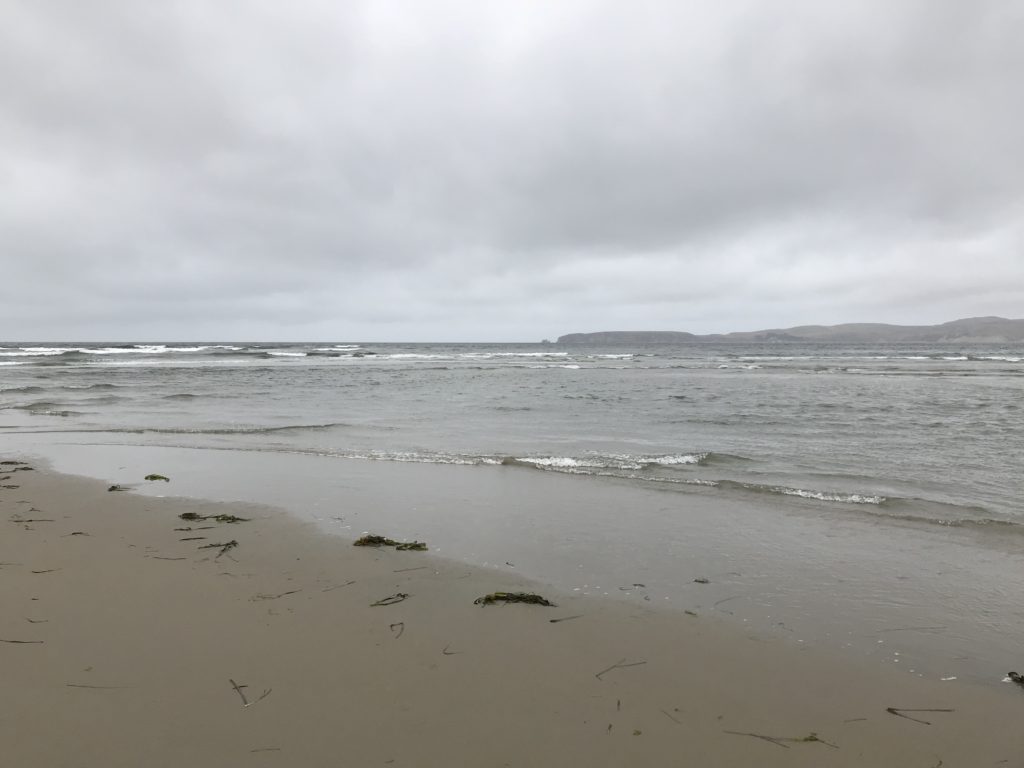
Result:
{"points": [[320, 170]]}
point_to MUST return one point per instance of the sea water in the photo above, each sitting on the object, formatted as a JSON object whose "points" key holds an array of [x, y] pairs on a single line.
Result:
{"points": [[843, 494]]}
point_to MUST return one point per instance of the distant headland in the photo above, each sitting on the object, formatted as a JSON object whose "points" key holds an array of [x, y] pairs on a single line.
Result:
{"points": [[971, 330]]}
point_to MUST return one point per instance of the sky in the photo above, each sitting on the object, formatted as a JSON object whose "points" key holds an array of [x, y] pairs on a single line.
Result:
{"points": [[485, 171]]}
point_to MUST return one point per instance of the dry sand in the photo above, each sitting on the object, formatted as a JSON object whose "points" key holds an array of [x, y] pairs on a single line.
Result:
{"points": [[129, 637]]}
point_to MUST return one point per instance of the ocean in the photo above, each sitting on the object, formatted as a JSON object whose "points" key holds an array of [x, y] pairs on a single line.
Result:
{"points": [[878, 486]]}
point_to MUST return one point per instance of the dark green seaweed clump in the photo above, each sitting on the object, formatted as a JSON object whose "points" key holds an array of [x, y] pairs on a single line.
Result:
{"points": [[195, 516], [512, 597], [158, 477], [372, 540]]}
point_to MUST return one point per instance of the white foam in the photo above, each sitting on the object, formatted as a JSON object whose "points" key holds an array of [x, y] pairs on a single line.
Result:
{"points": [[682, 458], [287, 354]]}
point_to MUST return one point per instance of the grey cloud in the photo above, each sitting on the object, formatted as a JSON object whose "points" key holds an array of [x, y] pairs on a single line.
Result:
{"points": [[388, 169]]}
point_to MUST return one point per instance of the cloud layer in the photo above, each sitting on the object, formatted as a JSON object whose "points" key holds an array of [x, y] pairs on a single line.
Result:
{"points": [[484, 171]]}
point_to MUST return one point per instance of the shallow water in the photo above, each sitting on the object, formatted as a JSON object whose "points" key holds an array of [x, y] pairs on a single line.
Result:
{"points": [[843, 495]]}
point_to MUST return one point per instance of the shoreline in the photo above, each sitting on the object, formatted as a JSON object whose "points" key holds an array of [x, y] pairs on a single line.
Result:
{"points": [[127, 653], [938, 605]]}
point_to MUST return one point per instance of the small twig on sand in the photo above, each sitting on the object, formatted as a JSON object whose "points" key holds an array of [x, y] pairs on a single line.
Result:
{"points": [[266, 749], [192, 538], [619, 665], [337, 586], [274, 597], [899, 713], [401, 628], [22, 642], [811, 737], [666, 714], [391, 599], [245, 702], [446, 652], [566, 618], [225, 547], [772, 739], [912, 629], [157, 557], [97, 687], [726, 600], [37, 621], [403, 570], [48, 570]]}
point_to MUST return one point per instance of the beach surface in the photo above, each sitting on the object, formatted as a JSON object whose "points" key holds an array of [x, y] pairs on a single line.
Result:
{"points": [[129, 641]]}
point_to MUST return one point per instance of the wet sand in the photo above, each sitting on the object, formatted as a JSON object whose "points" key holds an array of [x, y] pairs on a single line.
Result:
{"points": [[128, 638]]}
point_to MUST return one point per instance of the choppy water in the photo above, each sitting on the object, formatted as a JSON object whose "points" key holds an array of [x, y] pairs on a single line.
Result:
{"points": [[913, 432], [865, 497]]}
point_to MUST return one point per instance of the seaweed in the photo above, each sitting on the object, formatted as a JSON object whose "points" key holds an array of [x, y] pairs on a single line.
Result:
{"points": [[373, 540], [224, 547], [391, 599], [195, 516], [1016, 677], [158, 477], [116, 488], [512, 597]]}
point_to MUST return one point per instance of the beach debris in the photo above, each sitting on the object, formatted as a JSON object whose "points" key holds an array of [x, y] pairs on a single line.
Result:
{"points": [[116, 488], [240, 690], [196, 517], [912, 629], [417, 568], [701, 580], [690, 613], [158, 477], [446, 652], [48, 570], [566, 618], [898, 711], [193, 538], [780, 740], [669, 716], [266, 749], [157, 557], [23, 469], [22, 642], [401, 628], [262, 596], [97, 687], [225, 547], [1015, 677], [338, 586], [391, 599], [513, 597], [37, 621], [620, 664], [75, 533], [10, 463], [373, 540]]}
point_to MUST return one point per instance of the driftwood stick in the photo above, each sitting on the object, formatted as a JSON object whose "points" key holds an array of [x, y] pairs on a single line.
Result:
{"points": [[245, 702], [898, 712], [566, 618], [777, 742], [619, 665], [22, 642], [274, 597], [337, 586]]}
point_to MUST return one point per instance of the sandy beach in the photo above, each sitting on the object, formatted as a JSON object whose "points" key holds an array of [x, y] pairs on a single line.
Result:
{"points": [[128, 641]]}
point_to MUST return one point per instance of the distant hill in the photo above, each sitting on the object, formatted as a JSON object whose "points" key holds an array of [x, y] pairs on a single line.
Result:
{"points": [[994, 330]]}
